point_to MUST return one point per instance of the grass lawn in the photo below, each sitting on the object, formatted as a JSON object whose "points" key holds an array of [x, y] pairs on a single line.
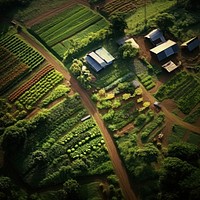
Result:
{"points": [[137, 19]]}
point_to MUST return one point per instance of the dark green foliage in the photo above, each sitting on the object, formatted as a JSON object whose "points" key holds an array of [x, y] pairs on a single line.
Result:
{"points": [[71, 189], [184, 151], [118, 24], [163, 21], [127, 51], [13, 138]]}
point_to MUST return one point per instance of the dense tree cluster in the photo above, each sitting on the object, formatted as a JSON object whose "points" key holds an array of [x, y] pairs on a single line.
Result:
{"points": [[127, 51]]}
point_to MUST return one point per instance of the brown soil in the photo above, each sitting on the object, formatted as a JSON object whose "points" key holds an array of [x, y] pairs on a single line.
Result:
{"points": [[115, 158]]}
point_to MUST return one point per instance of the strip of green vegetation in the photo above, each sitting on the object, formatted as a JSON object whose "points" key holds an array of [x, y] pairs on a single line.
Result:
{"points": [[58, 92], [136, 21], [193, 117], [184, 89], [66, 24]]}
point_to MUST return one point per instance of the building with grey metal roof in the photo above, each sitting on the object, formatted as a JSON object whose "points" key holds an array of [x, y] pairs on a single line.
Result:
{"points": [[165, 49], [191, 44]]}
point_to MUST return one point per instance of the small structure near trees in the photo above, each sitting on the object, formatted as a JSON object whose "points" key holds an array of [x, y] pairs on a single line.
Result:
{"points": [[191, 44], [99, 59], [156, 37], [170, 66]]}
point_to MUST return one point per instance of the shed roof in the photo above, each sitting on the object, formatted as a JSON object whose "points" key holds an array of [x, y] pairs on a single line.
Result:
{"points": [[98, 59], [155, 35], [105, 55], [133, 43], [166, 46], [97, 67], [170, 66], [191, 44]]}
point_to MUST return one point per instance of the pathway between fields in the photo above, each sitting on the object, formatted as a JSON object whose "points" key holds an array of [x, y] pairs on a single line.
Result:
{"points": [[175, 119], [116, 161]]}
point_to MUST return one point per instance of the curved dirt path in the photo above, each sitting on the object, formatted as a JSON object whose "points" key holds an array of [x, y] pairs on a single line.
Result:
{"points": [[115, 158], [55, 11], [175, 119]]}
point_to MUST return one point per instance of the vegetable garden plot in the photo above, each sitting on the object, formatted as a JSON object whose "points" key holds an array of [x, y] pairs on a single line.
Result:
{"points": [[184, 89], [72, 147], [22, 50], [116, 6], [66, 24], [43, 85]]}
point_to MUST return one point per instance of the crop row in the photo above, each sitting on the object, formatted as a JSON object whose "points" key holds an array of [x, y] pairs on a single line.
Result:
{"points": [[13, 75], [7, 62], [13, 96], [66, 24], [40, 88], [48, 23], [73, 30], [119, 6], [22, 50], [152, 126]]}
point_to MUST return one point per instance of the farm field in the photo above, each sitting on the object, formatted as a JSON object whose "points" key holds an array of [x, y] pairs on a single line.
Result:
{"points": [[16, 64], [128, 132], [183, 88], [67, 30]]}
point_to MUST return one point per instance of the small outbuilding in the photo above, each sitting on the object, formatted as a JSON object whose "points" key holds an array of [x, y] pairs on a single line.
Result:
{"points": [[191, 44], [165, 49], [155, 36], [170, 66], [99, 59], [133, 43]]}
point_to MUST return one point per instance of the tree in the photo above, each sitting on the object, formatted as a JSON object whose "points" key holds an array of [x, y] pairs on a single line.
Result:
{"points": [[185, 151], [38, 157], [127, 51], [140, 120], [163, 21], [71, 189], [118, 24], [13, 138], [76, 67]]}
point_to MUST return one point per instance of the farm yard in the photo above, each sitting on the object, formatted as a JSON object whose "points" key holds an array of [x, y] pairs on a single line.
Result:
{"points": [[67, 130]]}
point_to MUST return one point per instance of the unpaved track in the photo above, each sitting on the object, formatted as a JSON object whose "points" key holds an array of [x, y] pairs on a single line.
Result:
{"points": [[116, 161], [175, 119]]}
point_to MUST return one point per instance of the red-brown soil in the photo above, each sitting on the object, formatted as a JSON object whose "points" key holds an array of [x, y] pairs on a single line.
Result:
{"points": [[116, 161]]}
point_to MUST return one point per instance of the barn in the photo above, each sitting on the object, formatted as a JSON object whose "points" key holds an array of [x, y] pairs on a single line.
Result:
{"points": [[165, 50], [191, 44]]}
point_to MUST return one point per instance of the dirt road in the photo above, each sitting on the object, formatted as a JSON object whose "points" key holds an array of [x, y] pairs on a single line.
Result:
{"points": [[114, 156], [175, 119]]}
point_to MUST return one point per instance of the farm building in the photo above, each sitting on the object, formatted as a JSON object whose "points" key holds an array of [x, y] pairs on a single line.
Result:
{"points": [[191, 44], [165, 49], [156, 37], [170, 66], [131, 40], [99, 59]]}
